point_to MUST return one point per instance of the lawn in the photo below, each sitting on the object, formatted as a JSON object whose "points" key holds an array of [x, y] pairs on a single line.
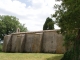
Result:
{"points": [[30, 56]]}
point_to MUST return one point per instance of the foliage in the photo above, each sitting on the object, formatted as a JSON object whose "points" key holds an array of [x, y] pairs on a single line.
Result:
{"points": [[68, 18], [0, 47], [49, 24], [23, 28], [9, 24]]}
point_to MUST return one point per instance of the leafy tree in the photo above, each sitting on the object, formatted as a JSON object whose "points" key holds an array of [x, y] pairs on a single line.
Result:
{"points": [[9, 24], [49, 24], [68, 18], [23, 28]]}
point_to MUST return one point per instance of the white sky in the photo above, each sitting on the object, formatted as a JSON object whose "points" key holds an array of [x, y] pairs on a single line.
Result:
{"points": [[32, 13]]}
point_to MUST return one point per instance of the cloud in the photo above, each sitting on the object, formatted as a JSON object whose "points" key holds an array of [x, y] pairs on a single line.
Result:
{"points": [[33, 13]]}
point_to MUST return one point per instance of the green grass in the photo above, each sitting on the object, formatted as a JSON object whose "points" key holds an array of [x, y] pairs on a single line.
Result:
{"points": [[30, 56]]}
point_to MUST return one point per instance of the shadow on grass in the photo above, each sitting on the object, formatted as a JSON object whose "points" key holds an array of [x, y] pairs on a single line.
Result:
{"points": [[55, 58]]}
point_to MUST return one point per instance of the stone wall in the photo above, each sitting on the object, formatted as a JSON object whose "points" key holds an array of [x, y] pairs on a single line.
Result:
{"points": [[48, 41], [13, 46], [33, 42], [60, 48], [29, 42], [20, 43], [36, 47], [6, 44]]}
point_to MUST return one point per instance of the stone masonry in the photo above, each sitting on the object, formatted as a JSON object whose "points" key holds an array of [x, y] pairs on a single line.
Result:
{"points": [[47, 41]]}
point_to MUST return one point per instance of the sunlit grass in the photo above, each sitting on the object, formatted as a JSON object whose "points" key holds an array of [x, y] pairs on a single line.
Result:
{"points": [[30, 56]]}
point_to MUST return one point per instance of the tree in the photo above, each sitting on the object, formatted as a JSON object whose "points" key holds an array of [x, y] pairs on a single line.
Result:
{"points": [[49, 24], [23, 28], [68, 18], [9, 24]]}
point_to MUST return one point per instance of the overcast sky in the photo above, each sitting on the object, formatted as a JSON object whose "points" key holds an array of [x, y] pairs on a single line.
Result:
{"points": [[32, 13]]}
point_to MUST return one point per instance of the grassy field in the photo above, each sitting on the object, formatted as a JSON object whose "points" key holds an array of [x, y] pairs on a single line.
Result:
{"points": [[30, 56]]}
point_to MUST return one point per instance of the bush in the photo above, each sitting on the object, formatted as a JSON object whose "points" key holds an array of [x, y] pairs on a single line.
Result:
{"points": [[0, 47]]}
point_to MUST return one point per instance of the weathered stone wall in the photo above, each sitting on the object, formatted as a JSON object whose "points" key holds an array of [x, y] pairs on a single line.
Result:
{"points": [[6, 44], [48, 41], [36, 46], [60, 48], [29, 42], [52, 42], [33, 42], [20, 43], [13, 46]]}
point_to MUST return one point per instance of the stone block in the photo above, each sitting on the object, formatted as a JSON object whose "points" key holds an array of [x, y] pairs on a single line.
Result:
{"points": [[20, 43], [49, 42], [14, 38], [29, 42], [6, 43], [60, 49], [36, 46]]}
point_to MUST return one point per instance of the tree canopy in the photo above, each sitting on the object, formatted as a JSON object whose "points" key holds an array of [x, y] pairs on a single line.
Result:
{"points": [[9, 24], [49, 24], [68, 19]]}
